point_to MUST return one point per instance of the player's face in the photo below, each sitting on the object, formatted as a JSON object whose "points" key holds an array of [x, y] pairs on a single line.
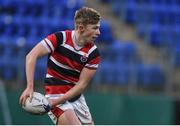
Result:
{"points": [[91, 32]]}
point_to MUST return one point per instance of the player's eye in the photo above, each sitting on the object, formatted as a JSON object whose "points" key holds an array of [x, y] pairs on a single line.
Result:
{"points": [[95, 28]]}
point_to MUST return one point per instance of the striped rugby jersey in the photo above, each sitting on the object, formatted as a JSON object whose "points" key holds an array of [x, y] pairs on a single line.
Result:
{"points": [[66, 60]]}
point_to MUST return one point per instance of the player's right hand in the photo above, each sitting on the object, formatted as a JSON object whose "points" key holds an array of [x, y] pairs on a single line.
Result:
{"points": [[26, 93]]}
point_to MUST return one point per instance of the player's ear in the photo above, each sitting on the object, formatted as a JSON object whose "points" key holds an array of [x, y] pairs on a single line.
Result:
{"points": [[81, 27]]}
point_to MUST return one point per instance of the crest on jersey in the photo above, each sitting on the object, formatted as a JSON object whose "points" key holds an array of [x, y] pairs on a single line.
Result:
{"points": [[83, 58]]}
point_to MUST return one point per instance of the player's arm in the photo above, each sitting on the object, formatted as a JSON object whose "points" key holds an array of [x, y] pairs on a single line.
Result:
{"points": [[85, 76], [31, 58]]}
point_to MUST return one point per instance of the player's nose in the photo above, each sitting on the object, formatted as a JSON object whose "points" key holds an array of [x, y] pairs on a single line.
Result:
{"points": [[98, 32]]}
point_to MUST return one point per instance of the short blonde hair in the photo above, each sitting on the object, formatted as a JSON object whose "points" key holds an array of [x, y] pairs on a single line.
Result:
{"points": [[86, 15]]}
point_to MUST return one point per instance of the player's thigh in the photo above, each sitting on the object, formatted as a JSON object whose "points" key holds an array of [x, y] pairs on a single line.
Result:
{"points": [[68, 118]]}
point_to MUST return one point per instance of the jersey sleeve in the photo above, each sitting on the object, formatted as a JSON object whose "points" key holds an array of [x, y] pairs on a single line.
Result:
{"points": [[52, 41], [93, 59]]}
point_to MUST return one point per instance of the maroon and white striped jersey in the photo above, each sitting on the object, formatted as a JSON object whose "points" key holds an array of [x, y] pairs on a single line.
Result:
{"points": [[66, 60]]}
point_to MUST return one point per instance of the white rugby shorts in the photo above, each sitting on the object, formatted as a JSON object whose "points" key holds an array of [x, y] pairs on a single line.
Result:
{"points": [[79, 106]]}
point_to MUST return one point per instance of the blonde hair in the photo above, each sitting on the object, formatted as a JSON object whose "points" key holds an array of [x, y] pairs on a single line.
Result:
{"points": [[86, 15]]}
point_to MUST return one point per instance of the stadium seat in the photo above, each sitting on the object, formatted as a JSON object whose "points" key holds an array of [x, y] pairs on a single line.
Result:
{"points": [[106, 35], [150, 75], [8, 69], [116, 6], [105, 73], [2, 25], [125, 51], [112, 73], [176, 55], [3, 45], [128, 11], [153, 35], [122, 74], [36, 7], [41, 68], [107, 1]]}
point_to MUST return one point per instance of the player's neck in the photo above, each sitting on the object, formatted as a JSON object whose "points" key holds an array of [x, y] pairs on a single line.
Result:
{"points": [[78, 39]]}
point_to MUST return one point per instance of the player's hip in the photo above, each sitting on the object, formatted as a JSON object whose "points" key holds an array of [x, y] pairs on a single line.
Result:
{"points": [[79, 106]]}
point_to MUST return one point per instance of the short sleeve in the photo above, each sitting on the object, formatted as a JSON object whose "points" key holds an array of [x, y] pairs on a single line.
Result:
{"points": [[93, 59], [52, 41]]}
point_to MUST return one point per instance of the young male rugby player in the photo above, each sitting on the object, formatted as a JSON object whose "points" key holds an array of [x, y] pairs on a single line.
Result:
{"points": [[73, 60]]}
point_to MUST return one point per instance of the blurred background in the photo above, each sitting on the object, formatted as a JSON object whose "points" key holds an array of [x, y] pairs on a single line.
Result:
{"points": [[138, 80]]}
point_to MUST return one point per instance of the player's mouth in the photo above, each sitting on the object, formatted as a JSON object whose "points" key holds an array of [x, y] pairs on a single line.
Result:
{"points": [[94, 38]]}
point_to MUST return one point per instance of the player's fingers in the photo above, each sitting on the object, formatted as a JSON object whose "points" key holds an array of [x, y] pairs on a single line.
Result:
{"points": [[20, 100], [24, 100], [30, 97]]}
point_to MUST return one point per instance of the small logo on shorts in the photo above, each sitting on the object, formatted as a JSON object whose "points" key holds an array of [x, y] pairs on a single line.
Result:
{"points": [[83, 58], [86, 113]]}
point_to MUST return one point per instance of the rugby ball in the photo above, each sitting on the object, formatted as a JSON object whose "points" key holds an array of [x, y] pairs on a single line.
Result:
{"points": [[39, 104]]}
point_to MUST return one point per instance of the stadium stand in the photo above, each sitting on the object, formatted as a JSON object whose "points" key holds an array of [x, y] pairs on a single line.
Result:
{"points": [[32, 20], [153, 21]]}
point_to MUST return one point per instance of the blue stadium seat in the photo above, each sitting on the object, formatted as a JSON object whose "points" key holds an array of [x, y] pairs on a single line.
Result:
{"points": [[3, 45], [8, 69], [112, 73], [2, 25], [105, 73], [106, 36], [150, 75], [31, 41], [36, 7], [59, 25], [122, 73], [176, 55], [129, 11], [153, 35], [122, 51], [11, 29], [41, 69], [107, 1], [116, 6]]}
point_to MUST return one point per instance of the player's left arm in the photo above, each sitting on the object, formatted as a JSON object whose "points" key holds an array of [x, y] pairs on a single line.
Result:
{"points": [[85, 76]]}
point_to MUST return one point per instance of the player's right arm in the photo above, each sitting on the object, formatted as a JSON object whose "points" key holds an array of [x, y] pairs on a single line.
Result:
{"points": [[31, 58], [46, 46]]}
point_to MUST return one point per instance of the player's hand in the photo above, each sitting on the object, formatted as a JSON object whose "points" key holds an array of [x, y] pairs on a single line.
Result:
{"points": [[52, 102], [26, 93]]}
